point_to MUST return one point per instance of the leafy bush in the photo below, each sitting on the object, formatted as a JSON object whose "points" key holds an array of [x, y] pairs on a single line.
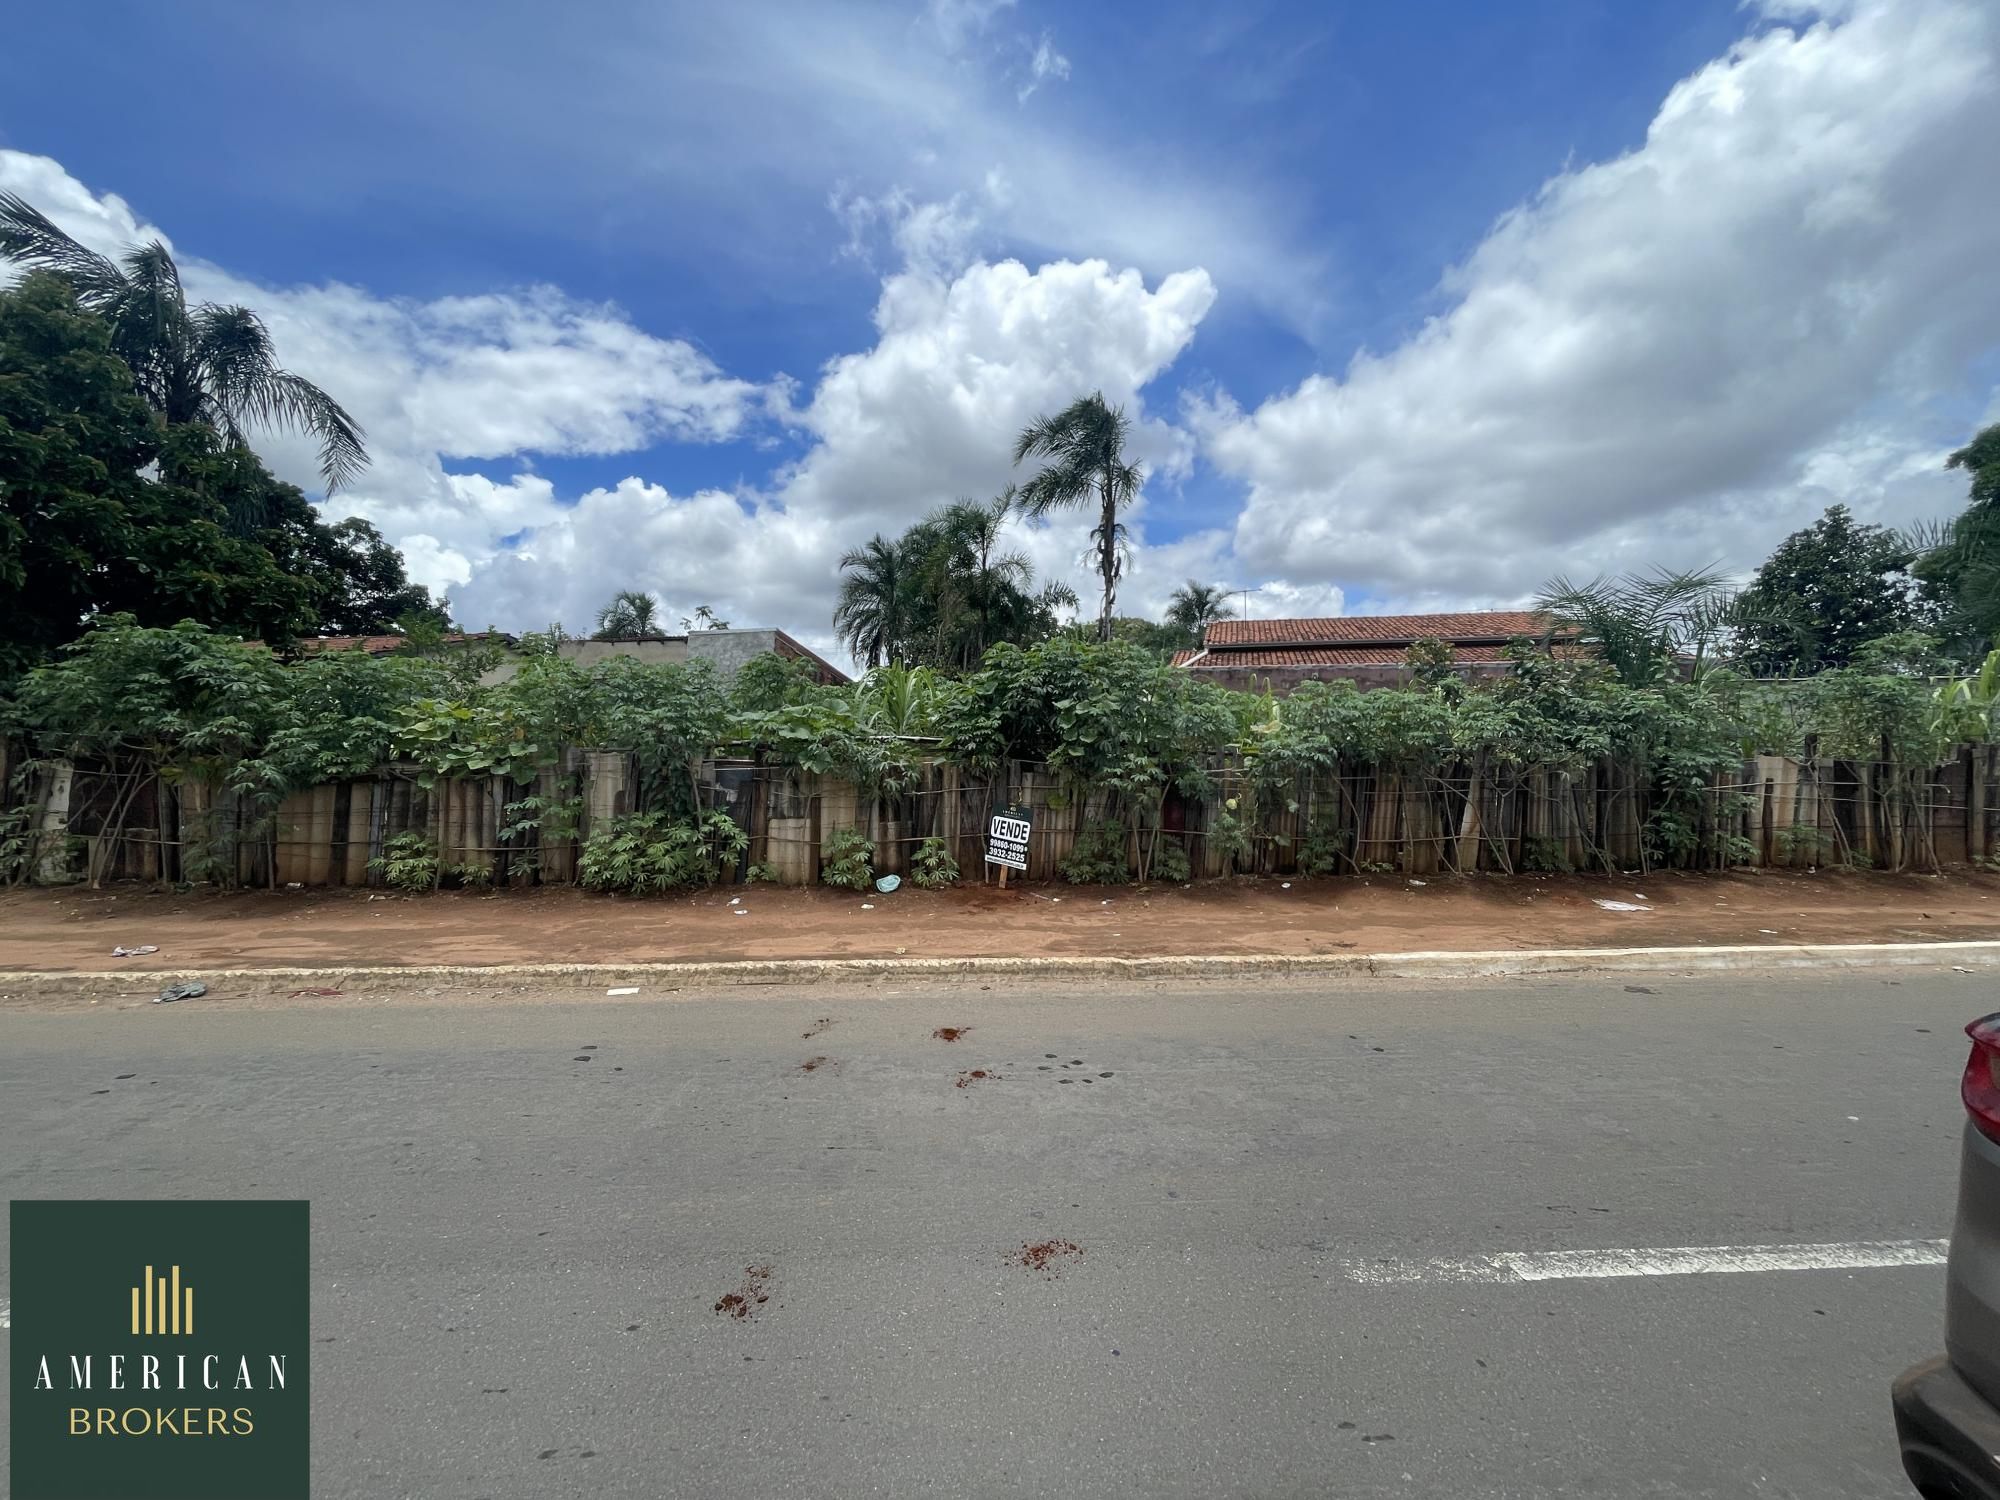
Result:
{"points": [[932, 867], [847, 858], [649, 853], [1228, 836], [759, 873], [1320, 851], [17, 844], [1546, 856], [409, 862], [1098, 857], [1170, 861]]}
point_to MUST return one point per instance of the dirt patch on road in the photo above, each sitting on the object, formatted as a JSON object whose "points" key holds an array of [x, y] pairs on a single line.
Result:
{"points": [[75, 929]]}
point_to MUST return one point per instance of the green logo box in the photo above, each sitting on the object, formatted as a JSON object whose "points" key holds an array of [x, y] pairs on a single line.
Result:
{"points": [[161, 1351]]}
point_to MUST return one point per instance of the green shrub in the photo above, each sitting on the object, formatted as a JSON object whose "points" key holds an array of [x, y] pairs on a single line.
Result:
{"points": [[1098, 857], [1321, 849], [409, 861], [1170, 860], [847, 858], [1546, 856], [933, 867], [759, 873], [1228, 835], [648, 853]]}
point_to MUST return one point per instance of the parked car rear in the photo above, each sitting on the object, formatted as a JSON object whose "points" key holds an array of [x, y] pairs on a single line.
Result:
{"points": [[1948, 1409]]}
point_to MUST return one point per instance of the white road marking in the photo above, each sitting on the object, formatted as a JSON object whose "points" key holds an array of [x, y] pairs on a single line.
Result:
{"points": [[1691, 1260], [6, 1313]]}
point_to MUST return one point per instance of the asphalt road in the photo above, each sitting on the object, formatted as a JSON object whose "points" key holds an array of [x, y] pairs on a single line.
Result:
{"points": [[517, 1253]]}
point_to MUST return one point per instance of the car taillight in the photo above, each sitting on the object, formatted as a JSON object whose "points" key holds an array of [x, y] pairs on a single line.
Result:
{"points": [[1980, 1088]]}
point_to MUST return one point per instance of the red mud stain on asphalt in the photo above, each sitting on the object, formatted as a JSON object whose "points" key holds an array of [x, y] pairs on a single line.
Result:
{"points": [[814, 1064], [816, 1028], [975, 1075], [949, 1033], [1048, 1257], [743, 1303]]}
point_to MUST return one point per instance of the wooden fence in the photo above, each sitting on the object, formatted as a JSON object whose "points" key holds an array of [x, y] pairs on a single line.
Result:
{"points": [[85, 822]]}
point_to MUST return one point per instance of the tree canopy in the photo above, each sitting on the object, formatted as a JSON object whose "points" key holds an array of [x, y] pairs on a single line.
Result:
{"points": [[1084, 464], [201, 363], [1194, 606], [944, 591], [1824, 593], [1960, 572], [215, 538]]}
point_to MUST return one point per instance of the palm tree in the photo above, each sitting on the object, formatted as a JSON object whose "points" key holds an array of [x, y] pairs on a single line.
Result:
{"points": [[1194, 606], [206, 363], [872, 616], [1645, 624], [898, 700], [1084, 444], [977, 574], [632, 615]]}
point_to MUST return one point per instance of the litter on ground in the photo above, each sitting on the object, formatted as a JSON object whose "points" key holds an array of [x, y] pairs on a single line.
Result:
{"points": [[888, 883], [186, 990], [623, 989], [1620, 905], [143, 948]]}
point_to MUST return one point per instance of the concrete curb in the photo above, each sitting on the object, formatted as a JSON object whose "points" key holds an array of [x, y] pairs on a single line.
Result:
{"points": [[1426, 965]]}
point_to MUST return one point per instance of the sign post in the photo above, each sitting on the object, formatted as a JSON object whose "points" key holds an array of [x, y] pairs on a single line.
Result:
{"points": [[1007, 840]]}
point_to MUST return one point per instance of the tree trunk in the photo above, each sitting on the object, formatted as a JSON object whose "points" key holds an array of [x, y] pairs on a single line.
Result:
{"points": [[1107, 558]]}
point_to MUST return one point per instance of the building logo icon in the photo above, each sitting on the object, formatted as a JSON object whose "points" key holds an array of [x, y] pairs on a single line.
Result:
{"points": [[161, 1305]]}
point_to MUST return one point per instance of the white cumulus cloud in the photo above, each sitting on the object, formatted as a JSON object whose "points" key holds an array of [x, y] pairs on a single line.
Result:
{"points": [[925, 416], [1774, 303]]}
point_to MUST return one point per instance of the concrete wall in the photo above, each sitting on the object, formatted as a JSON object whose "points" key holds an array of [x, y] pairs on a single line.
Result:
{"points": [[589, 653], [730, 649]]}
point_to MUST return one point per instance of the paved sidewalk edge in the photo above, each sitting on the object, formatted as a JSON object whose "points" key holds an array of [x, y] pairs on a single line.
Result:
{"points": [[1420, 965]]}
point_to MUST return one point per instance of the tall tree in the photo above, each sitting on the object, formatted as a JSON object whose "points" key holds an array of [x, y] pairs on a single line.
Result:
{"points": [[978, 588], [1960, 566], [83, 534], [632, 615], [204, 363], [872, 615], [1194, 606], [1824, 593], [372, 593], [1084, 449]]}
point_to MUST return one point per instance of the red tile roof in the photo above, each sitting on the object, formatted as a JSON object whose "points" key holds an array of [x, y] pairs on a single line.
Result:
{"points": [[1389, 655], [829, 674], [1496, 626]]}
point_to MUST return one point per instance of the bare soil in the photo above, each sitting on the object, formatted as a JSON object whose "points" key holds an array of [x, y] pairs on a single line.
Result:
{"points": [[77, 929]]}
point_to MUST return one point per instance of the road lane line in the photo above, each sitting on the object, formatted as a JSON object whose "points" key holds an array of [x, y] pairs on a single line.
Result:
{"points": [[1691, 1260], [6, 1313]]}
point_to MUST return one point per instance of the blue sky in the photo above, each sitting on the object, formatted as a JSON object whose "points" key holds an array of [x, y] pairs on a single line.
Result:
{"points": [[693, 297]]}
